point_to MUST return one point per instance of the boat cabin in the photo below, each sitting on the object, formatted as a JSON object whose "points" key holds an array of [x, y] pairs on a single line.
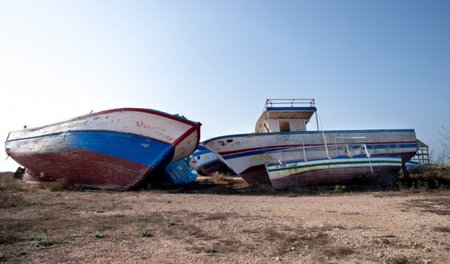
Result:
{"points": [[284, 115]]}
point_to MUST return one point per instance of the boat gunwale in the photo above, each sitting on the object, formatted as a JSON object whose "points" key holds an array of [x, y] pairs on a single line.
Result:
{"points": [[306, 132], [123, 109]]}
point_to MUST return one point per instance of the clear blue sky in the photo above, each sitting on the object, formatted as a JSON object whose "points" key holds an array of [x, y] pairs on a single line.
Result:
{"points": [[369, 64]]}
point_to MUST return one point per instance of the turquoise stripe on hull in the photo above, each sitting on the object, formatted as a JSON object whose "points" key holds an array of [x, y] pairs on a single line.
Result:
{"points": [[366, 162]]}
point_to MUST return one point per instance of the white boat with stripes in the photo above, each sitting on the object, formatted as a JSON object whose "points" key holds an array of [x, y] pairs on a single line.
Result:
{"points": [[281, 135]]}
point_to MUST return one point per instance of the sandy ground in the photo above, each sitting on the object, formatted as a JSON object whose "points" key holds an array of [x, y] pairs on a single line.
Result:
{"points": [[224, 222]]}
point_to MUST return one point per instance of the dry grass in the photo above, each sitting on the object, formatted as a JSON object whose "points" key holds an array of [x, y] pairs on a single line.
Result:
{"points": [[11, 200], [431, 176], [219, 183], [219, 178], [9, 183], [11, 191], [62, 184]]}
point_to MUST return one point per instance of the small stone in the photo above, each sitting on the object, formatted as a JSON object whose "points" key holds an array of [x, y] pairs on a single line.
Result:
{"points": [[292, 248], [277, 258], [380, 254]]}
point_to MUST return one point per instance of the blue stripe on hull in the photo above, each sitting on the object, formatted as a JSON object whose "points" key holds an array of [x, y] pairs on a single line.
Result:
{"points": [[258, 152], [134, 148]]}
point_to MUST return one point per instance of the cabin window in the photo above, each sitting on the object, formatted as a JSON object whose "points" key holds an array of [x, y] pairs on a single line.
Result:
{"points": [[284, 125]]}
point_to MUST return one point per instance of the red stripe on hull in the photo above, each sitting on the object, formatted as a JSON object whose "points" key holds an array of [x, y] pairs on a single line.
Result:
{"points": [[149, 111], [82, 168], [225, 153], [130, 109]]}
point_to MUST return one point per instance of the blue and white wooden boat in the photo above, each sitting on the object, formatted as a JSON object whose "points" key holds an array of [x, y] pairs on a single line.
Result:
{"points": [[282, 127], [112, 149], [206, 162]]}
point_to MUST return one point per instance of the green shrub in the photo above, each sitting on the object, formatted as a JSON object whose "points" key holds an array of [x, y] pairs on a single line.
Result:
{"points": [[340, 188], [145, 233], [168, 222], [209, 250], [41, 241], [400, 260], [99, 234]]}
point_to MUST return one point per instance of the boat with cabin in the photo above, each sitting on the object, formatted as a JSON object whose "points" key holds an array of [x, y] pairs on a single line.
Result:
{"points": [[282, 151], [113, 149]]}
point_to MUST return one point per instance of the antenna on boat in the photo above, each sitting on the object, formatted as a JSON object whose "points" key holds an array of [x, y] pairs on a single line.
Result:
{"points": [[313, 102], [267, 113], [323, 135]]}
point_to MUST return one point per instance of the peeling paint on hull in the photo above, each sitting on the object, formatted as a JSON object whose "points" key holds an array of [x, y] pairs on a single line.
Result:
{"points": [[83, 169], [114, 149]]}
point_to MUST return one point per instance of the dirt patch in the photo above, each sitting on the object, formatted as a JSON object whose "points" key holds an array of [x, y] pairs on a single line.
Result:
{"points": [[445, 229], [435, 205], [225, 221]]}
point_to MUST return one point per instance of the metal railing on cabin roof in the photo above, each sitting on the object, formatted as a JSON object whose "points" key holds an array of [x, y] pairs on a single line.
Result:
{"points": [[290, 102], [293, 102]]}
